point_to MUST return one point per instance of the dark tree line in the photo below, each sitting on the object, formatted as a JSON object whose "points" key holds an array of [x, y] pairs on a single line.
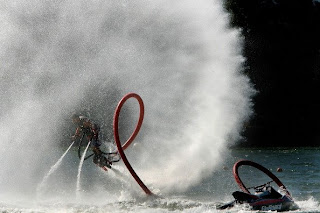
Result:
{"points": [[282, 50]]}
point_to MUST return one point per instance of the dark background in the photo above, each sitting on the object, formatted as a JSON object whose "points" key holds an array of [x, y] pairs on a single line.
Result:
{"points": [[282, 50]]}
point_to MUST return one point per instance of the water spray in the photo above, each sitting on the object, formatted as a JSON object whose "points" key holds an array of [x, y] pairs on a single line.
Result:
{"points": [[52, 170], [65, 56], [79, 171]]}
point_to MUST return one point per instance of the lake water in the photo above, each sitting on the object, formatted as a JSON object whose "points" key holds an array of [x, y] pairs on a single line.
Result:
{"points": [[114, 191]]}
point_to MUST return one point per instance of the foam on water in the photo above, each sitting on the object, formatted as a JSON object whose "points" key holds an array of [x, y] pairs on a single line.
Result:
{"points": [[310, 205], [153, 206]]}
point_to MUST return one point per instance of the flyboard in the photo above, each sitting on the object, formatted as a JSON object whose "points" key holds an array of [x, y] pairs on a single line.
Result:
{"points": [[265, 197], [117, 155], [106, 159]]}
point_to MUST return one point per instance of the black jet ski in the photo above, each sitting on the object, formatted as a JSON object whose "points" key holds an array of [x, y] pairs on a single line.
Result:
{"points": [[265, 197]]}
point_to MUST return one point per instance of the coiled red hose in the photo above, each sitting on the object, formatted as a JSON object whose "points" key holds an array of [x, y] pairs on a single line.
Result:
{"points": [[131, 138]]}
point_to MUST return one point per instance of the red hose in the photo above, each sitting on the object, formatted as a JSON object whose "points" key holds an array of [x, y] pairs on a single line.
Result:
{"points": [[261, 168], [131, 138]]}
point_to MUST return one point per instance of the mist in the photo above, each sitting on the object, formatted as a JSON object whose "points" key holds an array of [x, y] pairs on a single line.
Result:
{"points": [[68, 56]]}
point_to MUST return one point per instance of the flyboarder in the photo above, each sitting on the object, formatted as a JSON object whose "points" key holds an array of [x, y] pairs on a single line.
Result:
{"points": [[91, 130]]}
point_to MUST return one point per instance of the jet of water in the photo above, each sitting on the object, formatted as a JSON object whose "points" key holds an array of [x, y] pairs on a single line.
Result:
{"points": [[52, 170], [78, 189]]}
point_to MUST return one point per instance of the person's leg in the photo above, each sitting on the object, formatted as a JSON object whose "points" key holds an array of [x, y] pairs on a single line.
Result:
{"points": [[95, 159], [99, 159]]}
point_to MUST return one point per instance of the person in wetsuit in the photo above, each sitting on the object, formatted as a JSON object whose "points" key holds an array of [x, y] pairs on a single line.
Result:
{"points": [[91, 130]]}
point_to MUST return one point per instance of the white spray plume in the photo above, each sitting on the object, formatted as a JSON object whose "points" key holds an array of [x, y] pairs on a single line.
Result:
{"points": [[181, 57]]}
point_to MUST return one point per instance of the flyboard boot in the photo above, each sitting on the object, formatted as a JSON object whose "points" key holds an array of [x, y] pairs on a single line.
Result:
{"points": [[99, 159]]}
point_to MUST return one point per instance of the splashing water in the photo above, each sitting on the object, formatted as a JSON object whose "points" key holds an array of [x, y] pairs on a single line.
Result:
{"points": [[52, 170], [78, 190], [180, 56]]}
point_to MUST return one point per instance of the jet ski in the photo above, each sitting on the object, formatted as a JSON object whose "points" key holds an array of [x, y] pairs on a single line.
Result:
{"points": [[265, 197]]}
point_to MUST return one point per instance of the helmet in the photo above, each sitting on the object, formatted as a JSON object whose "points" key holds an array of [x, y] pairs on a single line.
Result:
{"points": [[75, 116]]}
